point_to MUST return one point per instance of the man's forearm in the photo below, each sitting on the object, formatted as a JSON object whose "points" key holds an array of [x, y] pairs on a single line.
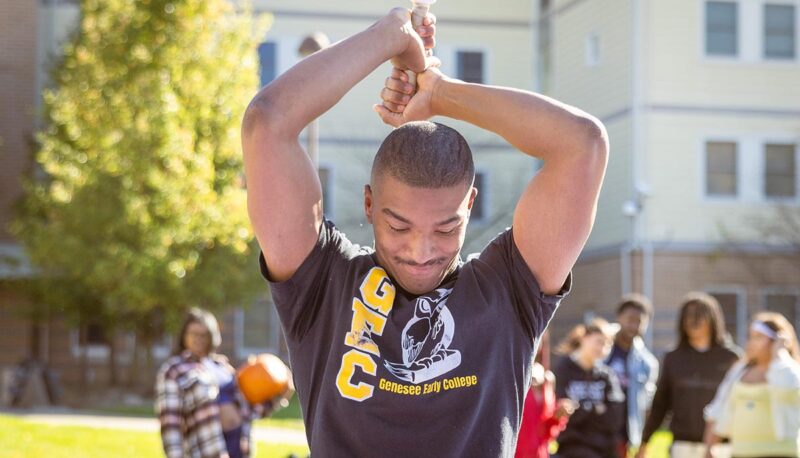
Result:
{"points": [[316, 84], [535, 124]]}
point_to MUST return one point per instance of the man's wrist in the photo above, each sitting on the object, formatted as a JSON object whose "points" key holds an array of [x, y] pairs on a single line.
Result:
{"points": [[392, 32], [441, 95]]}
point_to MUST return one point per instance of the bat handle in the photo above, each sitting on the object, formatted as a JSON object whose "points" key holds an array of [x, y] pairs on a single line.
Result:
{"points": [[418, 14]]}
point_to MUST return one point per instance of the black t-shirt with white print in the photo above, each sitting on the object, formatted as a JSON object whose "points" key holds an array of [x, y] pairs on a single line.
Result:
{"points": [[380, 372], [593, 428]]}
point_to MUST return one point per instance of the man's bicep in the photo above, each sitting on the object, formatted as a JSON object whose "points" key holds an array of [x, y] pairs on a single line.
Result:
{"points": [[284, 201], [553, 220]]}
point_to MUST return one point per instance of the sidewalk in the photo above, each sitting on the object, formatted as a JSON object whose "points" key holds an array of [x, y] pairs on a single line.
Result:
{"points": [[70, 417]]}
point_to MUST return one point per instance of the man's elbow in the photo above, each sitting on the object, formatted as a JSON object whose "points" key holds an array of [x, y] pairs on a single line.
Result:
{"points": [[595, 142], [260, 114], [268, 114], [596, 136]]}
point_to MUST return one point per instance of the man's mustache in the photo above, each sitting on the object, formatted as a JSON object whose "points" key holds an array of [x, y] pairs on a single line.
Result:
{"points": [[417, 264]]}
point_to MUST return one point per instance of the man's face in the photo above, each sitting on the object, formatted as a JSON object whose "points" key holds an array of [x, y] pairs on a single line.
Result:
{"points": [[632, 322], [418, 231]]}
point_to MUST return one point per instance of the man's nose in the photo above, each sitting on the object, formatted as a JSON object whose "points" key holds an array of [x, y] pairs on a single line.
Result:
{"points": [[421, 249]]}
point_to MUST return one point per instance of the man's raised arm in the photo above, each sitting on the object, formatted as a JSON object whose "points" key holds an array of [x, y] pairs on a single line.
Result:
{"points": [[556, 212], [283, 190]]}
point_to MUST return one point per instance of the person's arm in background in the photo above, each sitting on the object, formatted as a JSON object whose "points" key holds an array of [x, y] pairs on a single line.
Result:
{"points": [[662, 403], [168, 408], [284, 194], [561, 200]]}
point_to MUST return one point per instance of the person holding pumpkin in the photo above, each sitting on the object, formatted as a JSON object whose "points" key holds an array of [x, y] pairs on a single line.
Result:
{"points": [[200, 407]]}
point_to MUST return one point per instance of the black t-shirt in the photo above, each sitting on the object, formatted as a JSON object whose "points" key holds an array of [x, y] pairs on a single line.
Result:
{"points": [[380, 372], [592, 430], [689, 379]]}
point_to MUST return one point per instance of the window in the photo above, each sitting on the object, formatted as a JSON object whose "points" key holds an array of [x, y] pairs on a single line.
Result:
{"points": [[780, 171], [478, 212], [257, 321], [268, 62], [721, 176], [779, 31], [326, 180], [470, 66], [94, 335], [729, 302], [91, 338], [593, 50], [785, 304], [259, 329], [721, 29]]}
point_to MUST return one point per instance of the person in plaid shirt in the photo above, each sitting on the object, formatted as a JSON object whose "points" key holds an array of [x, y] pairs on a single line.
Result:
{"points": [[202, 412]]}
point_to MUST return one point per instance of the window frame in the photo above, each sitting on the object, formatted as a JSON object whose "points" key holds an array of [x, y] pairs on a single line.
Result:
{"points": [[472, 49], [276, 61], [763, 161], [738, 55], [763, 31], [241, 350], [485, 191], [330, 192], [780, 290], [741, 307], [706, 197]]}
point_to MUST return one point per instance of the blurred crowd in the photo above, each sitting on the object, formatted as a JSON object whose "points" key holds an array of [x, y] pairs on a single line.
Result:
{"points": [[606, 393]]}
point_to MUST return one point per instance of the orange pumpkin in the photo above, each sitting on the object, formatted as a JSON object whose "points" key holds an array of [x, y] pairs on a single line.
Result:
{"points": [[262, 377]]}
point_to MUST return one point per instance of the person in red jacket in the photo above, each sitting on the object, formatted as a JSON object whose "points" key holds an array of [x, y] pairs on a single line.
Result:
{"points": [[543, 417]]}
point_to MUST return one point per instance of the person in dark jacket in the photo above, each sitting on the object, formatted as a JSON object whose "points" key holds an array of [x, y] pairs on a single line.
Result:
{"points": [[690, 376], [582, 377]]}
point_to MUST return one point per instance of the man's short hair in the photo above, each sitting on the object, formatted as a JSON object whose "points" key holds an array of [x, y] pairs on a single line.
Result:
{"points": [[636, 301], [426, 155]]}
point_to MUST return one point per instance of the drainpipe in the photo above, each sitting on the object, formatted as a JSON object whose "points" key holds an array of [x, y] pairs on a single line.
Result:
{"points": [[641, 241]]}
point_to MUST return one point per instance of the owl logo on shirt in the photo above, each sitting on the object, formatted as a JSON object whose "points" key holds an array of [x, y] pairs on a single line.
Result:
{"points": [[426, 339]]}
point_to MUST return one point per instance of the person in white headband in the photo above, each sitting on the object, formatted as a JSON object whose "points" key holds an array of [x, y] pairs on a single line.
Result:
{"points": [[758, 404], [762, 328]]}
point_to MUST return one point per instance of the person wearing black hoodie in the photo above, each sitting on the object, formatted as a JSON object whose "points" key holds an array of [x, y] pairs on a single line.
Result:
{"points": [[690, 376], [593, 388]]}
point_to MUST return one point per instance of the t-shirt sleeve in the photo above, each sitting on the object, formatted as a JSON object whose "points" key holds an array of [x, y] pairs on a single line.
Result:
{"points": [[534, 308], [300, 298]]}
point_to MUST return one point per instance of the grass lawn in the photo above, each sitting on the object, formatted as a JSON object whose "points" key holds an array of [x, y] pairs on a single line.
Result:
{"points": [[23, 439], [289, 417]]}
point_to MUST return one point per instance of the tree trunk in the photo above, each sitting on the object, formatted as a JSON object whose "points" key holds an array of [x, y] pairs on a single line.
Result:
{"points": [[149, 387], [112, 358], [83, 365], [133, 369]]}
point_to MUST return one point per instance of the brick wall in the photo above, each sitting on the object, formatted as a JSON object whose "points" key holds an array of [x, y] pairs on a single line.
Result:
{"points": [[17, 99], [597, 286]]}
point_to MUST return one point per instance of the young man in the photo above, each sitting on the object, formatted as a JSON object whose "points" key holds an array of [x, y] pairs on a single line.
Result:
{"points": [[635, 366], [690, 376], [405, 350]]}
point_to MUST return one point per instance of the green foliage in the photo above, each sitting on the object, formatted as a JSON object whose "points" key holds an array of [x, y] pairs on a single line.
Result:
{"points": [[143, 208]]}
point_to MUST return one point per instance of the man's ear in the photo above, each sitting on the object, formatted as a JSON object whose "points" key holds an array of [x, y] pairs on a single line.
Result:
{"points": [[472, 194], [368, 203]]}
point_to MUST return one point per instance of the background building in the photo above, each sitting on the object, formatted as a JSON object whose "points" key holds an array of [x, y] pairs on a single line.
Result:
{"points": [[701, 104]]}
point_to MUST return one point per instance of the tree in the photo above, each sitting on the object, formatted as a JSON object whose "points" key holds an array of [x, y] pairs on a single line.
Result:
{"points": [[142, 213]]}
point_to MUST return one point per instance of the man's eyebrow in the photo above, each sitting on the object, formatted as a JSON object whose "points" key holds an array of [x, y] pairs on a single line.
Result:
{"points": [[395, 216], [449, 220]]}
